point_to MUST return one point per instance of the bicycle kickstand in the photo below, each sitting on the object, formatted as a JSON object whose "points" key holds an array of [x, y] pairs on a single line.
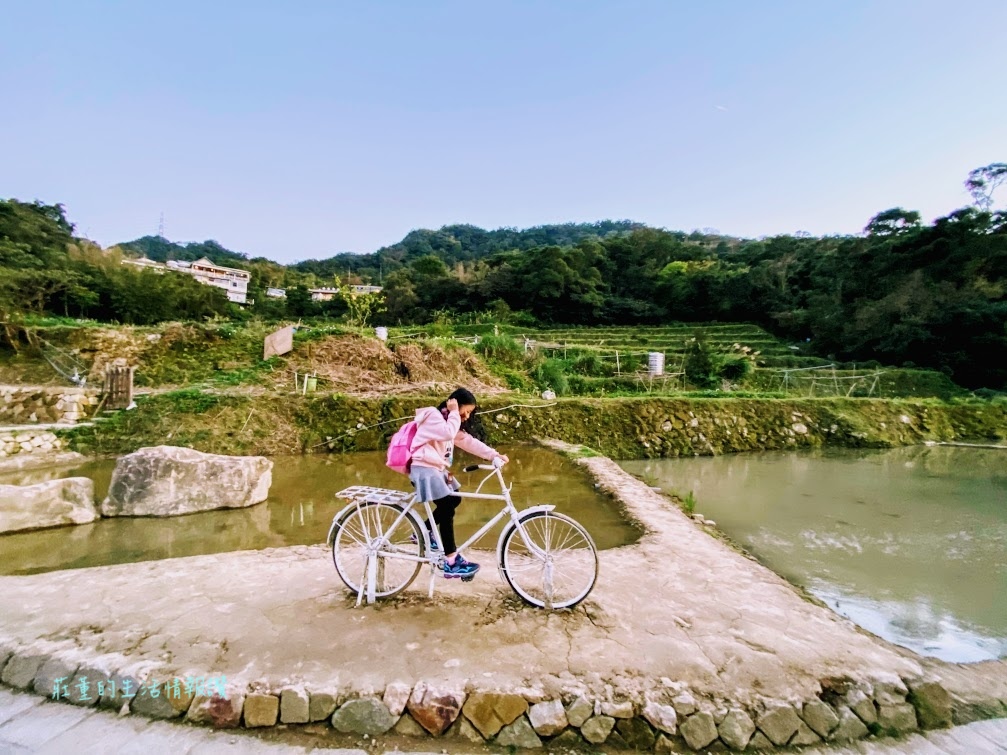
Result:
{"points": [[433, 578]]}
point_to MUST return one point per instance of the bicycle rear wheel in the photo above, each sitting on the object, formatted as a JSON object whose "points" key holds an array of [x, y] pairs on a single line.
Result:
{"points": [[556, 567], [369, 526]]}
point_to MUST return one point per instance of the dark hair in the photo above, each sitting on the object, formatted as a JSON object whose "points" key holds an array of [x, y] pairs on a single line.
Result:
{"points": [[464, 397]]}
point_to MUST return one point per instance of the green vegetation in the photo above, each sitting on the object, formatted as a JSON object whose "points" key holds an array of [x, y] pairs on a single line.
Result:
{"points": [[688, 503], [902, 293]]}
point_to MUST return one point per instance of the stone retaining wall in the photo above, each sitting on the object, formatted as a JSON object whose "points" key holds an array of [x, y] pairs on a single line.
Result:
{"points": [[21, 405], [669, 718], [28, 442]]}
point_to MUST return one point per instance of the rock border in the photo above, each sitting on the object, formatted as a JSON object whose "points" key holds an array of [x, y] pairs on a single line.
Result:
{"points": [[665, 719]]}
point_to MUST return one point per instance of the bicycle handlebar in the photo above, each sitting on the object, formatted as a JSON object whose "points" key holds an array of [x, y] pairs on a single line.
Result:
{"points": [[488, 467]]}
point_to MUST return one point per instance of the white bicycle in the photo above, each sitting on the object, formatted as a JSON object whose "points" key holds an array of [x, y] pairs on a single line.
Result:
{"points": [[379, 543]]}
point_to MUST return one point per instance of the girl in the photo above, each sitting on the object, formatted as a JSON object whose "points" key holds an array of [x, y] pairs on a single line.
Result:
{"points": [[438, 430]]}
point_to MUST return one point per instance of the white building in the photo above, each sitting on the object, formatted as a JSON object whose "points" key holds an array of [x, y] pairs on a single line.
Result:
{"points": [[232, 280], [327, 293]]}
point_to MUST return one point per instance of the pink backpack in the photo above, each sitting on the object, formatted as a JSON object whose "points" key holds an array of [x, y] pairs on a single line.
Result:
{"points": [[399, 455]]}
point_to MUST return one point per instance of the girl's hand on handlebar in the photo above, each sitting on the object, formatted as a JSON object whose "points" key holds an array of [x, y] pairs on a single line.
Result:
{"points": [[503, 458]]}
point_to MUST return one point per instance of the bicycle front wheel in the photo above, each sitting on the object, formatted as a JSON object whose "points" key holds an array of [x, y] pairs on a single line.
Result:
{"points": [[549, 560], [369, 527]]}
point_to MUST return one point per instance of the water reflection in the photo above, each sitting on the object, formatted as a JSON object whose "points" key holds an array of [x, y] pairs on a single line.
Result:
{"points": [[299, 510], [910, 543]]}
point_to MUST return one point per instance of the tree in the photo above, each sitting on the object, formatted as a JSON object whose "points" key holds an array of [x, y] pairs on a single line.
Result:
{"points": [[982, 182], [893, 222]]}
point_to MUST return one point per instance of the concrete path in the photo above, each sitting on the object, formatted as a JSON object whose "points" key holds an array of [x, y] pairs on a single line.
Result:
{"points": [[31, 724]]}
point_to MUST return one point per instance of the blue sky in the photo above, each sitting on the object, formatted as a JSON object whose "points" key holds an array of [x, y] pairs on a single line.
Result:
{"points": [[302, 129]]}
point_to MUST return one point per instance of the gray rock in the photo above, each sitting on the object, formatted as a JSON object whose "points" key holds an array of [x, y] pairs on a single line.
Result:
{"points": [[321, 705], [685, 704], [579, 711], [294, 706], [407, 727], [661, 717], [518, 734], [779, 723], [850, 727], [118, 688], [637, 733], [805, 736], [615, 740], [897, 718], [597, 728], [460, 728], [820, 717], [863, 705], [167, 480], [548, 719], [664, 744], [620, 709], [932, 703], [47, 504], [83, 687], [21, 669], [53, 678], [698, 730], [568, 738], [155, 703], [890, 691], [365, 715], [736, 729], [760, 743]]}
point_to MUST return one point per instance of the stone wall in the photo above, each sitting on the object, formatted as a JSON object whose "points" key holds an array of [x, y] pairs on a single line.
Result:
{"points": [[28, 442], [669, 719], [20, 405]]}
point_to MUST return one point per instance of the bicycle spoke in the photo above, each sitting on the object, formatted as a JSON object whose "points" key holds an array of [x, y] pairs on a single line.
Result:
{"points": [[368, 527], [553, 563]]}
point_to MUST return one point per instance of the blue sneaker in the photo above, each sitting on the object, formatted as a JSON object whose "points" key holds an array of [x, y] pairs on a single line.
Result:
{"points": [[434, 546], [461, 568]]}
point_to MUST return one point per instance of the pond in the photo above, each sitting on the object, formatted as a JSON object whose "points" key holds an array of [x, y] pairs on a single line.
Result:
{"points": [[299, 510], [910, 543]]}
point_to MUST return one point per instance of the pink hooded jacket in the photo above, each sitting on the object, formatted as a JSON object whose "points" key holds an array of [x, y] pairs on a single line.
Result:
{"points": [[435, 439]]}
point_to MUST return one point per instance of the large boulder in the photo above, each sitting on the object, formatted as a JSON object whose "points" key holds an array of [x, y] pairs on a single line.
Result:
{"points": [[47, 504], [167, 480]]}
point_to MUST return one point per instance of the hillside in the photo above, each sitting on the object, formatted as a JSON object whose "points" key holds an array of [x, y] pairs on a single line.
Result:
{"points": [[726, 360]]}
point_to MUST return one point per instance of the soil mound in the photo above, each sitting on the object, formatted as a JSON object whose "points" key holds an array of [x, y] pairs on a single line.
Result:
{"points": [[367, 366]]}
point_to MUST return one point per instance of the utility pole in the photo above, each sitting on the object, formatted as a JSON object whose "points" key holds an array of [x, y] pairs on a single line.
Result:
{"points": [[160, 227]]}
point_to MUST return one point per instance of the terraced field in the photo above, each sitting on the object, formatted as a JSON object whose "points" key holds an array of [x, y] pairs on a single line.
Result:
{"points": [[779, 366]]}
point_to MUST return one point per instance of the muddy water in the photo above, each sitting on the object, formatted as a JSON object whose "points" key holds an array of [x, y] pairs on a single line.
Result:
{"points": [[909, 543], [299, 510]]}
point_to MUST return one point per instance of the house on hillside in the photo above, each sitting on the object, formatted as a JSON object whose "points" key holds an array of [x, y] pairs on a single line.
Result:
{"points": [[232, 280], [327, 293]]}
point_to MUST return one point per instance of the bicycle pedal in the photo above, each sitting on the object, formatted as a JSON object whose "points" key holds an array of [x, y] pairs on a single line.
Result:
{"points": [[469, 578]]}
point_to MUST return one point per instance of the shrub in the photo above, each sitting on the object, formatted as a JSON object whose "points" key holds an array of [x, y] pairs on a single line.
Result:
{"points": [[551, 373], [502, 349]]}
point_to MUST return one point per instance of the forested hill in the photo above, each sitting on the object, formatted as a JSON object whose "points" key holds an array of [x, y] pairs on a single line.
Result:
{"points": [[463, 243], [902, 292], [161, 250]]}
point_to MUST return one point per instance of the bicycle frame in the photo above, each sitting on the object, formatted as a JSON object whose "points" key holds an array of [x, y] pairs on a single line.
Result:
{"points": [[377, 548]]}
